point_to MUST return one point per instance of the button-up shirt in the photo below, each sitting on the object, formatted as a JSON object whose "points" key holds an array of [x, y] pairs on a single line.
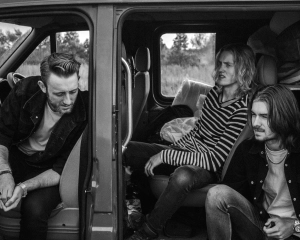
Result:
{"points": [[248, 170]]}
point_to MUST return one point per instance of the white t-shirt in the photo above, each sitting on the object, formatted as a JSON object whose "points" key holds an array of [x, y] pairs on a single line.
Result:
{"points": [[277, 199], [38, 140]]}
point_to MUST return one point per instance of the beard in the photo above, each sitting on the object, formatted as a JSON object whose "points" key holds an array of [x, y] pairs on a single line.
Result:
{"points": [[59, 107]]}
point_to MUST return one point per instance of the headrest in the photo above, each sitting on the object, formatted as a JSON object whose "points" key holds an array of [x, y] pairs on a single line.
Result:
{"points": [[281, 20], [267, 70], [142, 59]]}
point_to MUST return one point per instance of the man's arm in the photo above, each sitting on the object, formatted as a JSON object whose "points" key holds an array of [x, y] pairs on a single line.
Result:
{"points": [[7, 183], [46, 179]]}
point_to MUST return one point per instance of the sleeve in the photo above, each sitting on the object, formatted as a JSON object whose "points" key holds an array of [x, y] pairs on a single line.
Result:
{"points": [[236, 174], [210, 159], [9, 117]]}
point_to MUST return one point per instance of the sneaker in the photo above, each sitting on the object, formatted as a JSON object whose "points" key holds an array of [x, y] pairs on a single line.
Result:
{"points": [[144, 233]]}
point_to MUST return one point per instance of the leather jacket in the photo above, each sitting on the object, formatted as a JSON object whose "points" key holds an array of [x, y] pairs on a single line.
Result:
{"points": [[21, 114]]}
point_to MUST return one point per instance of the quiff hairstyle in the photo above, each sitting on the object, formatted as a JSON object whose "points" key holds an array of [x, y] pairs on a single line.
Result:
{"points": [[244, 65], [283, 112], [60, 64]]}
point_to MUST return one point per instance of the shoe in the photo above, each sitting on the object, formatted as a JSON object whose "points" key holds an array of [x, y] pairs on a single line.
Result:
{"points": [[144, 233]]}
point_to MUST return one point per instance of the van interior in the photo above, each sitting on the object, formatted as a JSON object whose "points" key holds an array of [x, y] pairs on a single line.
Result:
{"points": [[164, 55]]}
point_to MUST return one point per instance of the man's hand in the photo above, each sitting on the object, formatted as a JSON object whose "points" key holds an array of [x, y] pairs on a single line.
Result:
{"points": [[14, 200], [7, 185], [282, 229], [153, 162]]}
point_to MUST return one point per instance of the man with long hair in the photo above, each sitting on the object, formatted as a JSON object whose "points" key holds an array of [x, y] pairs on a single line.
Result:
{"points": [[260, 196], [40, 122], [196, 159]]}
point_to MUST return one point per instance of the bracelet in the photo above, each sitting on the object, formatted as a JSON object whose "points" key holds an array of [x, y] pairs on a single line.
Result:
{"points": [[24, 188], [5, 171]]}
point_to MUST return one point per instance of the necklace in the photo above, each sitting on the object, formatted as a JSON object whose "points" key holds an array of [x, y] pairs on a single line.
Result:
{"points": [[268, 158]]}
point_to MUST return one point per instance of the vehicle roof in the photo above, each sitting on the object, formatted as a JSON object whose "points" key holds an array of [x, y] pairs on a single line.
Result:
{"points": [[16, 3]]}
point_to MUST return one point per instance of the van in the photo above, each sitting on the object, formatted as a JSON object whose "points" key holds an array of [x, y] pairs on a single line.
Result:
{"points": [[135, 58]]}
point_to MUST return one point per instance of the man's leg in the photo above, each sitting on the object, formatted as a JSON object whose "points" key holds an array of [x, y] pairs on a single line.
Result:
{"points": [[181, 182], [137, 155], [36, 209], [231, 216]]}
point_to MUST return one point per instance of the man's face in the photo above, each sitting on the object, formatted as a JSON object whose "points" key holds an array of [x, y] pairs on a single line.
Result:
{"points": [[61, 92], [226, 70], [260, 122]]}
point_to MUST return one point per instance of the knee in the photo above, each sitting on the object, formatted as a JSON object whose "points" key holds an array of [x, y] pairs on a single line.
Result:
{"points": [[217, 195], [183, 177]]}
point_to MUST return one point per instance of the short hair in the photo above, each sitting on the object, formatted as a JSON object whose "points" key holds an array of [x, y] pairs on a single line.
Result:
{"points": [[244, 65], [60, 64], [283, 112]]}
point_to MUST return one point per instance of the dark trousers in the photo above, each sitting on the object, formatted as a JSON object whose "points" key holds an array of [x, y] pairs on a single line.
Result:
{"points": [[182, 180], [36, 207]]}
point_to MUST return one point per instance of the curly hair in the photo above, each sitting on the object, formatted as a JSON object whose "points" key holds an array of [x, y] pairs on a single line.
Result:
{"points": [[244, 64]]}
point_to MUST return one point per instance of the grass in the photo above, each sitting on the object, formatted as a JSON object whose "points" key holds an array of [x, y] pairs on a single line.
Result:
{"points": [[33, 70], [173, 75]]}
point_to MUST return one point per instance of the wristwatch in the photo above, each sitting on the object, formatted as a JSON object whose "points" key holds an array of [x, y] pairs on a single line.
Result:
{"points": [[297, 226], [23, 186]]}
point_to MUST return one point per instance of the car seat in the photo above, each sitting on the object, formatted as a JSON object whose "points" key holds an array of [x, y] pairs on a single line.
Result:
{"points": [[266, 75], [64, 220]]}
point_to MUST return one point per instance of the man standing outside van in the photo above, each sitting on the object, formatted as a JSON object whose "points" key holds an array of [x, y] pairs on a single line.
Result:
{"points": [[261, 195], [40, 122]]}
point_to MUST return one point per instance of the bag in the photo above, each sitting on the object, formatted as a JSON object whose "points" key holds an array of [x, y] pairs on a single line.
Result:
{"points": [[175, 129], [152, 131]]}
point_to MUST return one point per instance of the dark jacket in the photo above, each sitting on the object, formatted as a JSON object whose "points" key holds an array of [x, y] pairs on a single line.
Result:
{"points": [[21, 114], [248, 170]]}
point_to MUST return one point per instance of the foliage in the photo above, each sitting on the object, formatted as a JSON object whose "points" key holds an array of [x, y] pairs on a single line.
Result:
{"points": [[180, 62], [68, 43]]}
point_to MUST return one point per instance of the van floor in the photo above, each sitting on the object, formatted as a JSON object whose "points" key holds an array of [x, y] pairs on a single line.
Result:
{"points": [[195, 218]]}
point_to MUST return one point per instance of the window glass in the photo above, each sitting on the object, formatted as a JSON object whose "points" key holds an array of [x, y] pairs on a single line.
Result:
{"points": [[186, 56], [10, 37], [31, 66], [73, 42], [78, 44]]}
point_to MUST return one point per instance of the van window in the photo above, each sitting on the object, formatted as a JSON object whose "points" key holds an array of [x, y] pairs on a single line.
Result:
{"points": [[78, 44], [186, 56], [73, 42], [10, 37]]}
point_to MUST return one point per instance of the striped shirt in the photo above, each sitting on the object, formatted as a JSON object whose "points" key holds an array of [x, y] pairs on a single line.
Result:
{"points": [[213, 136]]}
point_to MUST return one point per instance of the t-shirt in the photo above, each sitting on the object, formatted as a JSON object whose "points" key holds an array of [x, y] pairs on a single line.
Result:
{"points": [[277, 199], [38, 140]]}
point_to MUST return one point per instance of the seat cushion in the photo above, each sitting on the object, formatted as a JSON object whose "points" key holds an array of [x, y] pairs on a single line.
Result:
{"points": [[196, 198]]}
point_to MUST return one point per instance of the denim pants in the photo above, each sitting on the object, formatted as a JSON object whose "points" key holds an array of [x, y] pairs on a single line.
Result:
{"points": [[36, 207], [229, 215], [182, 180]]}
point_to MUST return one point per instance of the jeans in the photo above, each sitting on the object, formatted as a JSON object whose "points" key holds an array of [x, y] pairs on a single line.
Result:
{"points": [[182, 180], [36, 207], [229, 215]]}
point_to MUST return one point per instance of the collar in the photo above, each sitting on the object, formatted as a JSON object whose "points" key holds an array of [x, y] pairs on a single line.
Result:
{"points": [[37, 102], [260, 146]]}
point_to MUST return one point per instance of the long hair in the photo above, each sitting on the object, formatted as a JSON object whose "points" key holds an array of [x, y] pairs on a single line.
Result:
{"points": [[60, 64], [283, 112], [244, 65]]}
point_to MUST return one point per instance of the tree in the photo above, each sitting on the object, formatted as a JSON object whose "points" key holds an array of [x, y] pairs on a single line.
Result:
{"points": [[178, 54]]}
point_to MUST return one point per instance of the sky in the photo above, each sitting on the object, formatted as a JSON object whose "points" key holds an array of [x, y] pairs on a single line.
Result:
{"points": [[83, 35], [168, 39]]}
